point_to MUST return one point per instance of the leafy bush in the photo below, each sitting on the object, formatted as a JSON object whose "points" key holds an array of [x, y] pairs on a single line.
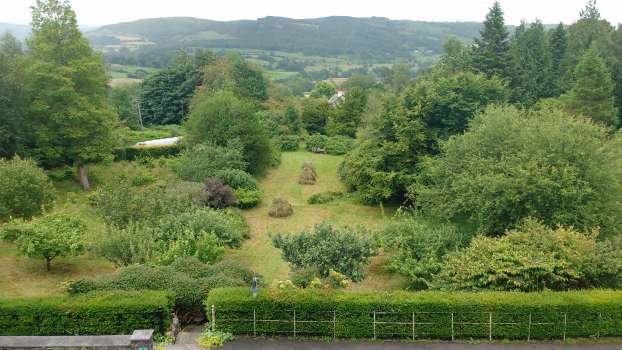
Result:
{"points": [[339, 145], [247, 198], [514, 164], [187, 278], [315, 142], [420, 248], [302, 277], [218, 195], [533, 258], [49, 237], [204, 246], [206, 160], [324, 197], [219, 117], [290, 143], [120, 203], [573, 314], [228, 225], [134, 244], [326, 248], [236, 179], [92, 314], [25, 190], [214, 339]]}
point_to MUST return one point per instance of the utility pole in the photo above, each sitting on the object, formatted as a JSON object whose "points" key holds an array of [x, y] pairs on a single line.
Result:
{"points": [[140, 116]]}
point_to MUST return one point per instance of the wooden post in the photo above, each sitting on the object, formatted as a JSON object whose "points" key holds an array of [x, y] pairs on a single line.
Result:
{"points": [[213, 318], [294, 323], [600, 324], [529, 328], [334, 325], [452, 326], [413, 326], [490, 326], [374, 325], [254, 322], [565, 322]]}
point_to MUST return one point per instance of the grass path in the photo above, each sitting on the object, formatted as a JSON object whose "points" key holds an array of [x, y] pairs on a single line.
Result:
{"points": [[258, 253]]}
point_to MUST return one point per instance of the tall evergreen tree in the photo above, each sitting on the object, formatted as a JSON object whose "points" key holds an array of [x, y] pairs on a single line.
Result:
{"points": [[493, 48], [69, 120], [531, 64], [558, 43], [12, 98], [592, 94]]}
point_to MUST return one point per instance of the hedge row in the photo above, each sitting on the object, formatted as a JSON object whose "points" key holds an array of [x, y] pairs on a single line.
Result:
{"points": [[437, 315], [132, 152], [91, 314]]}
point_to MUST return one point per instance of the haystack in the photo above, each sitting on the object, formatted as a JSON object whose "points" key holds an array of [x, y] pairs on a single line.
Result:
{"points": [[280, 208], [309, 175]]}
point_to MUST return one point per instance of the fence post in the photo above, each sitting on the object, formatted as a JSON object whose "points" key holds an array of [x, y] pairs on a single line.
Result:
{"points": [[254, 323], [565, 322], [334, 325], [490, 326], [452, 326], [213, 318], [529, 329], [294, 323], [374, 325], [413, 326], [600, 324]]}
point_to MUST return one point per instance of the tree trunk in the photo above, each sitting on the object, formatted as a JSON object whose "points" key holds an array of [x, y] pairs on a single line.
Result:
{"points": [[84, 179], [48, 263]]}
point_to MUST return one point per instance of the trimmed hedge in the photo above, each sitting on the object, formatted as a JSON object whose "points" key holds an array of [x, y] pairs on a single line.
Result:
{"points": [[132, 152], [553, 314], [91, 314]]}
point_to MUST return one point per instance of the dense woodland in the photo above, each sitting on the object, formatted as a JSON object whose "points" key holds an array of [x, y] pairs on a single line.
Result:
{"points": [[504, 161]]}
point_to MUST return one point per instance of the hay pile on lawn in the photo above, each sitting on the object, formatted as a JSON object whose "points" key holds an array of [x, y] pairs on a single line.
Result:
{"points": [[309, 175], [280, 208]]}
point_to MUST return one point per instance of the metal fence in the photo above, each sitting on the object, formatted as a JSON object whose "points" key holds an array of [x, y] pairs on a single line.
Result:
{"points": [[424, 325]]}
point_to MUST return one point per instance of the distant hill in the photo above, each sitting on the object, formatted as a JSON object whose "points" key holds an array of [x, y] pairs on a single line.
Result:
{"points": [[20, 31], [367, 38]]}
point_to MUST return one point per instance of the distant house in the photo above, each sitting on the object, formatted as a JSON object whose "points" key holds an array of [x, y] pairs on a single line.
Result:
{"points": [[337, 98]]}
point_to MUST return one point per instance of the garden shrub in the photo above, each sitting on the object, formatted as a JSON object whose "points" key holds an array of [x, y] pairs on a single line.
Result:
{"points": [[25, 190], [247, 198], [213, 339], [89, 314], [302, 277], [206, 247], [316, 142], [218, 195], [275, 152], [326, 248], [228, 225], [188, 279], [236, 179], [290, 143], [420, 248], [324, 197], [280, 208], [587, 313], [205, 160], [534, 257], [134, 244], [339, 145]]}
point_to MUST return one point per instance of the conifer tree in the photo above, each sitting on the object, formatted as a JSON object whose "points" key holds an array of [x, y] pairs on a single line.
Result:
{"points": [[592, 94], [558, 44], [493, 48], [69, 118]]}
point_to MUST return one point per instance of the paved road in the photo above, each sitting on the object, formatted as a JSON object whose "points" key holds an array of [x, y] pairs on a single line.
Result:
{"points": [[285, 344], [187, 341]]}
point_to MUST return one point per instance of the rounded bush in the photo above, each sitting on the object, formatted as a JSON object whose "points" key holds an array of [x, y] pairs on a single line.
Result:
{"points": [[25, 190]]}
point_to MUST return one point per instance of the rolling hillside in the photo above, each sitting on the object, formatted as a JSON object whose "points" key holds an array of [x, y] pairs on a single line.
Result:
{"points": [[366, 38]]}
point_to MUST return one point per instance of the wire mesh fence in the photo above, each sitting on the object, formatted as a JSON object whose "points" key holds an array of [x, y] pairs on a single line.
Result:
{"points": [[418, 325]]}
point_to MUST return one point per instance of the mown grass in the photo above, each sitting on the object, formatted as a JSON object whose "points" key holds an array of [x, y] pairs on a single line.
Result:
{"points": [[258, 253]]}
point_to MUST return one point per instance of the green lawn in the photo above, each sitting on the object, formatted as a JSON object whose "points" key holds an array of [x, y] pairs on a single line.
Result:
{"points": [[258, 253]]}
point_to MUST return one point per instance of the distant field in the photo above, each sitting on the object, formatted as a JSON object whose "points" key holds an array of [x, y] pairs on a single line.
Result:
{"points": [[119, 74], [258, 253]]}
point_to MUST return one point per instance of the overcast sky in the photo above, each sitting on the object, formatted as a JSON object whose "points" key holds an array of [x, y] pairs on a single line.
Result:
{"points": [[98, 12]]}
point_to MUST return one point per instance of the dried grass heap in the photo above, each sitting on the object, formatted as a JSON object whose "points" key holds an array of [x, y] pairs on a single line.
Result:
{"points": [[309, 175], [280, 208]]}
